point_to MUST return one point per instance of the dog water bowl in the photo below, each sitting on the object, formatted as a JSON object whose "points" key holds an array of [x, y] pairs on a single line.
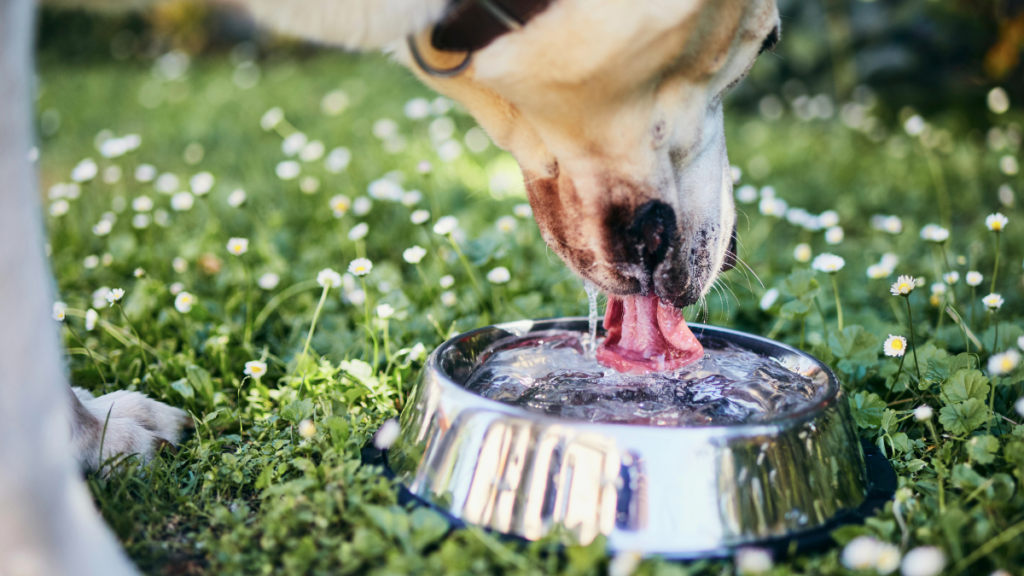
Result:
{"points": [[684, 492]]}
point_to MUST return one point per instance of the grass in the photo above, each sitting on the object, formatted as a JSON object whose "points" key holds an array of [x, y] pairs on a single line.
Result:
{"points": [[247, 493]]}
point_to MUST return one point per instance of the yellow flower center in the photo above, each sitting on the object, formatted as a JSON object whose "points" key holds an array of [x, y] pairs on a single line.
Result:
{"points": [[904, 287], [1006, 364], [997, 225], [896, 344]]}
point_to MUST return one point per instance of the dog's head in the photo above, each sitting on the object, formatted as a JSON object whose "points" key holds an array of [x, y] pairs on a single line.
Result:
{"points": [[613, 110]]}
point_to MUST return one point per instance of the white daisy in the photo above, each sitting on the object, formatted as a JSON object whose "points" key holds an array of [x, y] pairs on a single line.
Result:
{"points": [[166, 183], [268, 281], [769, 298], [183, 302], [424, 167], [904, 285], [951, 278], [829, 263], [993, 302], [419, 216], [938, 288], [238, 246], [145, 173], [293, 143], [182, 201], [445, 225], [91, 317], [312, 152], [861, 553], [59, 208], [91, 261], [751, 561], [338, 160], [271, 118], [58, 311], [201, 183], [179, 264], [361, 206], [385, 311], [414, 255], [746, 194], [411, 198], [386, 435], [878, 271], [307, 429], [923, 561], [255, 369], [448, 298], [359, 231], [1003, 363], [176, 288], [356, 297], [506, 224], [309, 184], [802, 253], [288, 170], [923, 412], [888, 558], [834, 235], [829, 218], [360, 267], [499, 275], [114, 295], [339, 205], [624, 564], [522, 210], [142, 204], [893, 225], [974, 278], [996, 222], [934, 233], [139, 272], [328, 278], [85, 170], [447, 281], [236, 198], [895, 346]]}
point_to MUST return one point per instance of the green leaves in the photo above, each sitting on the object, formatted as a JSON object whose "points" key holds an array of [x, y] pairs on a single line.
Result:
{"points": [[964, 385], [963, 417], [867, 409], [855, 347], [297, 411], [982, 449], [802, 287], [201, 382]]}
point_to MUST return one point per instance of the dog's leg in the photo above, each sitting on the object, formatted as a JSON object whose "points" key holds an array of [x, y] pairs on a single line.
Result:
{"points": [[121, 423], [48, 524]]}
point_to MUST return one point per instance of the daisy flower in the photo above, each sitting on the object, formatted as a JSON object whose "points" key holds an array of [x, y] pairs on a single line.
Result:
{"points": [[934, 233], [201, 183], [769, 298], [878, 271], [993, 302], [58, 311], [1020, 342], [861, 553], [746, 194], [411, 198], [923, 561], [236, 198], [183, 302], [91, 317], [445, 225], [447, 281], [293, 143], [419, 217], [624, 564], [424, 167], [142, 204], [829, 263], [996, 222], [268, 281], [414, 255], [386, 435], [951, 278], [340, 205], [182, 201], [145, 173], [892, 225], [288, 170], [506, 224], [888, 558], [338, 160], [974, 278], [938, 288], [359, 231], [180, 265], [139, 272], [829, 218], [923, 412], [385, 311], [360, 267], [903, 286], [1003, 363], [85, 170], [255, 369], [176, 288], [166, 183], [271, 118], [307, 429], [522, 211], [499, 275], [895, 346], [238, 246], [114, 295], [59, 208], [356, 297], [802, 253], [312, 152], [328, 278], [448, 298], [102, 228]]}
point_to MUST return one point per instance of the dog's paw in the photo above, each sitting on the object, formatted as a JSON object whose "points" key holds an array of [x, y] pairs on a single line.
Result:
{"points": [[122, 423]]}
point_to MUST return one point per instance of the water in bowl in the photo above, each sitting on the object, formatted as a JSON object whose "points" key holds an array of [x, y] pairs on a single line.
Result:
{"points": [[555, 373]]}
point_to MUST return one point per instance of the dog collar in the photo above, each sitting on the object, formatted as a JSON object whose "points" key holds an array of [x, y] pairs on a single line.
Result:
{"points": [[470, 25]]}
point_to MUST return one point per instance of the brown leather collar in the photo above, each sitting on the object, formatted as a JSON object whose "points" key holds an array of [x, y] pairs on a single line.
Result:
{"points": [[470, 25]]}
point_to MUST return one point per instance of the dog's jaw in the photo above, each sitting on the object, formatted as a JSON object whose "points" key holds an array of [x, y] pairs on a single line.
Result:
{"points": [[618, 129]]}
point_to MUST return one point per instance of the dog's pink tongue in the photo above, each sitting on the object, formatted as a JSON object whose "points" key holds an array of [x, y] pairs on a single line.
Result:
{"points": [[644, 335]]}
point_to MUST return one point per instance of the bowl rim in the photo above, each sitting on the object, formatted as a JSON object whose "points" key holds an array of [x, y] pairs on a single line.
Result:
{"points": [[790, 420]]}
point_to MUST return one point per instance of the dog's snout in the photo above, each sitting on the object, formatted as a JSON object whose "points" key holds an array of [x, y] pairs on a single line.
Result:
{"points": [[652, 232]]}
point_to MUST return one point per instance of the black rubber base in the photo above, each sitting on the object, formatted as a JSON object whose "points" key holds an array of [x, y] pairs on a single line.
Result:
{"points": [[881, 488]]}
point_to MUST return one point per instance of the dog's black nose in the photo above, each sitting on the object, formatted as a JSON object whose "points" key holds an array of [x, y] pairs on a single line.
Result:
{"points": [[652, 232]]}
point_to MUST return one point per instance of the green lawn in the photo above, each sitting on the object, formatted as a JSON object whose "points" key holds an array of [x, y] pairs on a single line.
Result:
{"points": [[246, 493]]}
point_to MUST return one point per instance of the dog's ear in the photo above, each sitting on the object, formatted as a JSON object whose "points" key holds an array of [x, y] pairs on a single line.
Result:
{"points": [[355, 24]]}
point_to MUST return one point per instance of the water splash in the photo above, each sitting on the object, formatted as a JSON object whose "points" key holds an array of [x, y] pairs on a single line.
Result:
{"points": [[592, 292], [552, 373]]}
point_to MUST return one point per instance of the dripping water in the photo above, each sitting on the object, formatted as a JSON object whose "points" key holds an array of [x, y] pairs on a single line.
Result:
{"points": [[592, 292]]}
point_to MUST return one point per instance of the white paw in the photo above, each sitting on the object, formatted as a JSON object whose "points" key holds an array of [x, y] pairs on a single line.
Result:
{"points": [[135, 425]]}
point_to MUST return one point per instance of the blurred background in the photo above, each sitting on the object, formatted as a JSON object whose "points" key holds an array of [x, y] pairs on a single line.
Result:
{"points": [[928, 54]]}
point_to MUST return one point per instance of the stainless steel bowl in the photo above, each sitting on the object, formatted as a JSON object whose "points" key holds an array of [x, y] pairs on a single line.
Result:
{"points": [[682, 492]]}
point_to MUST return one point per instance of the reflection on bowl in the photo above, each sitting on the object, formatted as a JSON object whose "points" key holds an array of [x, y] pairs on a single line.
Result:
{"points": [[679, 491]]}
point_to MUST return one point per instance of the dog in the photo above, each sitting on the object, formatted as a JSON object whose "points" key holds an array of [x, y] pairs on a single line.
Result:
{"points": [[612, 108]]}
